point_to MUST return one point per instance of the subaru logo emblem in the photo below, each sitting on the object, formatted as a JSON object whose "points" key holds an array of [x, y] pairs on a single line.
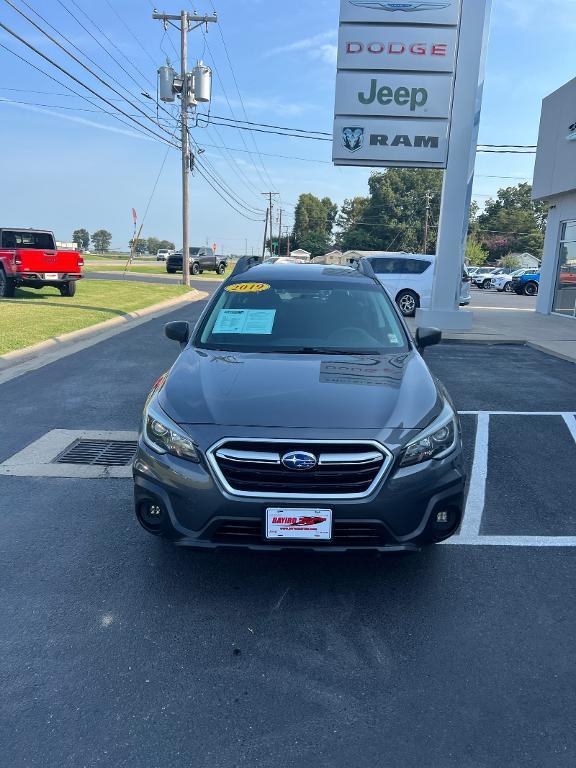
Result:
{"points": [[299, 460]]}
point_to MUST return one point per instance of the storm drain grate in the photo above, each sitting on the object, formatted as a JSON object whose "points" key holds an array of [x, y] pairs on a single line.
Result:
{"points": [[101, 453]]}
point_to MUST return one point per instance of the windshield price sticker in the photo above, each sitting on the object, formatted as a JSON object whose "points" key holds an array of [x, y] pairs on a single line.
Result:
{"points": [[248, 287], [245, 321]]}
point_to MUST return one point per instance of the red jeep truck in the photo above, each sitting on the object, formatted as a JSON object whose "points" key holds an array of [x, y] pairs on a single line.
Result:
{"points": [[29, 258]]}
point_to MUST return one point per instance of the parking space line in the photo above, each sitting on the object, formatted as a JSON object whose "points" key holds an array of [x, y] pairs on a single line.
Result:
{"points": [[477, 491], [570, 420], [513, 541], [563, 414]]}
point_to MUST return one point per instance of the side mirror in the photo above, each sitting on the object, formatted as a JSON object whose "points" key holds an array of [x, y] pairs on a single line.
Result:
{"points": [[427, 337], [178, 331]]}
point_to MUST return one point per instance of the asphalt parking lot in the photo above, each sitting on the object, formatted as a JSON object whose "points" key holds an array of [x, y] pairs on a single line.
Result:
{"points": [[119, 650]]}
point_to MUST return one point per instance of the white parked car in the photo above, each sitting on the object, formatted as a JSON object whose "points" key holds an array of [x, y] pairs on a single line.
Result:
{"points": [[163, 254], [503, 283], [408, 278]]}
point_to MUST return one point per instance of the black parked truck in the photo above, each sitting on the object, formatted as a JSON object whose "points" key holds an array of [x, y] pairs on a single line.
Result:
{"points": [[202, 259]]}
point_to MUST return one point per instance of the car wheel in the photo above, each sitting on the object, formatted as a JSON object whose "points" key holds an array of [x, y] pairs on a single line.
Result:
{"points": [[487, 284], [195, 269], [7, 286], [221, 269], [408, 302], [508, 288], [170, 271], [68, 289], [531, 289]]}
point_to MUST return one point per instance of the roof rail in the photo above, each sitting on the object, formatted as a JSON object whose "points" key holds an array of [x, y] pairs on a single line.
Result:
{"points": [[244, 264]]}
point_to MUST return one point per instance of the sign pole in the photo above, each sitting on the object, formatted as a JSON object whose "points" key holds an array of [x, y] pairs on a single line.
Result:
{"points": [[457, 191]]}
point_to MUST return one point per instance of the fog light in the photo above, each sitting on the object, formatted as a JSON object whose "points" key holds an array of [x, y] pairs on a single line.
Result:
{"points": [[442, 517], [152, 514]]}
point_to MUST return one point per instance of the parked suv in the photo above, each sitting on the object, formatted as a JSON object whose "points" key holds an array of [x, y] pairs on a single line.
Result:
{"points": [[202, 259], [527, 284], [408, 278], [29, 258], [300, 413]]}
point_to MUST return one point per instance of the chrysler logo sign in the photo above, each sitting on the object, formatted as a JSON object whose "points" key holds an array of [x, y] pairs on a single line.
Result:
{"points": [[406, 7], [572, 135]]}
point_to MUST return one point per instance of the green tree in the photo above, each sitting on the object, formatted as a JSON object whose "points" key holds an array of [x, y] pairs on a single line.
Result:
{"points": [[82, 238], [393, 215], [513, 222], [475, 254], [314, 220], [101, 240], [141, 246], [152, 245], [166, 245], [510, 261]]}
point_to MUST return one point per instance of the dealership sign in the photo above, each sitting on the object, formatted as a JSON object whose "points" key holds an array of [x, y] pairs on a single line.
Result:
{"points": [[445, 13], [397, 48], [396, 63], [391, 142]]}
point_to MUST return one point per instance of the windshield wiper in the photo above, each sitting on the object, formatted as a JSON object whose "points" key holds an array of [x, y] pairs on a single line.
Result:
{"points": [[325, 351]]}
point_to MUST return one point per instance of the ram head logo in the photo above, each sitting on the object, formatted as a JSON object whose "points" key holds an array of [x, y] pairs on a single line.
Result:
{"points": [[353, 138]]}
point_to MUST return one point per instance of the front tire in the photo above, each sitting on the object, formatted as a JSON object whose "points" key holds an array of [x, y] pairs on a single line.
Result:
{"points": [[195, 269], [508, 288], [170, 271], [221, 269], [408, 302], [487, 284], [7, 285], [531, 289], [68, 289]]}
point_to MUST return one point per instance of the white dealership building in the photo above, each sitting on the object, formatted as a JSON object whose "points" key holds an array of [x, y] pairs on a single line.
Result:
{"points": [[555, 183]]}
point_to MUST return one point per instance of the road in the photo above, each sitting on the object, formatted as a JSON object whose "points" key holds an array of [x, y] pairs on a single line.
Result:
{"points": [[120, 650], [490, 299]]}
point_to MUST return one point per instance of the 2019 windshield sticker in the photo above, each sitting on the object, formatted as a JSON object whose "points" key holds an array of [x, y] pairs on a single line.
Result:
{"points": [[245, 321], [247, 287]]}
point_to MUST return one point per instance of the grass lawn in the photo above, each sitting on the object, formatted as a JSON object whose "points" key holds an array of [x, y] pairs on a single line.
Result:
{"points": [[34, 316], [153, 269]]}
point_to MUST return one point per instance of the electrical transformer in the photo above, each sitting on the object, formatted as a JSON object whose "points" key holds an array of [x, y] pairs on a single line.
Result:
{"points": [[202, 82], [166, 76]]}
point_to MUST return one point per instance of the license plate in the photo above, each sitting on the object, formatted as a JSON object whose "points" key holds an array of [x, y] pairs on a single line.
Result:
{"points": [[51, 276], [305, 524]]}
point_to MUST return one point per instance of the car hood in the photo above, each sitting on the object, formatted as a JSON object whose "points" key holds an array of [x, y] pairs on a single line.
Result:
{"points": [[279, 390]]}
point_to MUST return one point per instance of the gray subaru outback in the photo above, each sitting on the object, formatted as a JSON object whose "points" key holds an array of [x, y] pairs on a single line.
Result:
{"points": [[300, 414]]}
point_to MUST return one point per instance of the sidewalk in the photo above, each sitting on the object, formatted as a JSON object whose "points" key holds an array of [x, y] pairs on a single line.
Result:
{"points": [[552, 334]]}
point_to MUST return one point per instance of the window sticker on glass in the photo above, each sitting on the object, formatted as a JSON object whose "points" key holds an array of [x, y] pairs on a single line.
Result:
{"points": [[393, 339], [247, 287], [248, 321]]}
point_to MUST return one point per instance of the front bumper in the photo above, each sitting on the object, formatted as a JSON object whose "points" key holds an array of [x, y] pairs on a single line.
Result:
{"points": [[400, 515]]}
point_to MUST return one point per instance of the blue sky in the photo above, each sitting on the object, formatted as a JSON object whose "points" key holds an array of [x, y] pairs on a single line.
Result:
{"points": [[64, 169]]}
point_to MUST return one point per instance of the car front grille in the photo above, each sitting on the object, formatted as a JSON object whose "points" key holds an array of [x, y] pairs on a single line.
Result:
{"points": [[342, 470], [344, 534]]}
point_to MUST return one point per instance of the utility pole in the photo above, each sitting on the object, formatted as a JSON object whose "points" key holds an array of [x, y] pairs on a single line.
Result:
{"points": [[427, 220], [189, 96], [279, 231], [265, 234], [288, 241], [270, 195]]}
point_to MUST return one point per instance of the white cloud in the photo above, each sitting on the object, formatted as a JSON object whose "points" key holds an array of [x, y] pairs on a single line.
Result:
{"points": [[318, 46]]}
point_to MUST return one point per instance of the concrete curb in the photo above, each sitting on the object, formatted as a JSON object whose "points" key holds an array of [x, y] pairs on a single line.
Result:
{"points": [[14, 364]]}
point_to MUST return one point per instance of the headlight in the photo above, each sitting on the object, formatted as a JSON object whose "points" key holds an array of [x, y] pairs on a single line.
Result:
{"points": [[435, 442], [164, 436]]}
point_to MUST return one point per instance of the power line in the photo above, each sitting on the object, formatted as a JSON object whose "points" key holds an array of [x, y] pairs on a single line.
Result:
{"points": [[76, 80], [71, 43], [78, 61]]}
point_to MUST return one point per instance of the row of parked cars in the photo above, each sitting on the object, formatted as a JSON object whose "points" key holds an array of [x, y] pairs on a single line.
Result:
{"points": [[524, 282]]}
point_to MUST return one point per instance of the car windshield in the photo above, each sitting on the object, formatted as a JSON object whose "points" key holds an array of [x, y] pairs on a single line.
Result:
{"points": [[303, 317]]}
